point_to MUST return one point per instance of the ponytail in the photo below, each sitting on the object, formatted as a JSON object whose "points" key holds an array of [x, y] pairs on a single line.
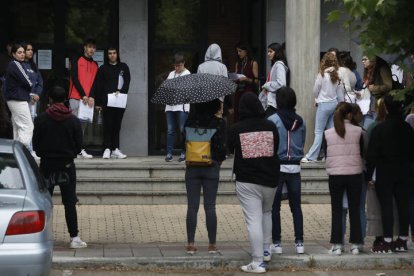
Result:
{"points": [[342, 109]]}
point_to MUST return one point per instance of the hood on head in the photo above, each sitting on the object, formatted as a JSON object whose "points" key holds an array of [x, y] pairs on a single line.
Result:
{"points": [[290, 119], [250, 106], [213, 53]]}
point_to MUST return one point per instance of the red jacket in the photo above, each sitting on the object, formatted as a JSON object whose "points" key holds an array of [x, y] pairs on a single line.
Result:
{"points": [[82, 76]]}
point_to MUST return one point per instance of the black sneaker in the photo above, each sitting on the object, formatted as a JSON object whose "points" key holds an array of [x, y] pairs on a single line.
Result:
{"points": [[382, 247], [400, 245], [182, 157]]}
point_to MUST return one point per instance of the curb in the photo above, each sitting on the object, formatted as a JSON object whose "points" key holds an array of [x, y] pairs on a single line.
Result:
{"points": [[194, 263]]}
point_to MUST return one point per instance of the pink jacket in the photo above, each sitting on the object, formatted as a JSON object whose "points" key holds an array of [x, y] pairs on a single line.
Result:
{"points": [[344, 154]]}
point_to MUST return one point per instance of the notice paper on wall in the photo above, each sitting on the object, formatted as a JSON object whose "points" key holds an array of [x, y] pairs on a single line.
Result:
{"points": [[44, 59]]}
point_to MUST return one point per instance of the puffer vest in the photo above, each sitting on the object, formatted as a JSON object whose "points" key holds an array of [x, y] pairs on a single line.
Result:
{"points": [[343, 155]]}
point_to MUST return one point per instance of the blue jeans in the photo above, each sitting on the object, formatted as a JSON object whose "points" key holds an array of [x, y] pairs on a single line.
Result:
{"points": [[174, 118], [368, 119], [323, 120], [293, 185]]}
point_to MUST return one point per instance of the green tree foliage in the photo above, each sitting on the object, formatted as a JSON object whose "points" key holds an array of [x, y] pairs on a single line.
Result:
{"points": [[384, 27]]}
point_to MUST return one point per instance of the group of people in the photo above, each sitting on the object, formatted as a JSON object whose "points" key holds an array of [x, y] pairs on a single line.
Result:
{"points": [[369, 156], [22, 88], [369, 153], [56, 135]]}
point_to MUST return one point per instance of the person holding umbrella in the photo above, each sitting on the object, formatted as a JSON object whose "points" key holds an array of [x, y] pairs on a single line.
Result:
{"points": [[203, 116], [176, 114]]}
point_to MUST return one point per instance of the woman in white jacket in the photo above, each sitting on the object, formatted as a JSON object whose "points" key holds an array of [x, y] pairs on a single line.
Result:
{"points": [[328, 92], [278, 76]]}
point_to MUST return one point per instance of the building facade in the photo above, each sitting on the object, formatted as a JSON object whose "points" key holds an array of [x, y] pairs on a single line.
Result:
{"points": [[149, 32]]}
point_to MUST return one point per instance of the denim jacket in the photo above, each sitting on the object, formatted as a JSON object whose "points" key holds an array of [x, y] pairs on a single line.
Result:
{"points": [[292, 141]]}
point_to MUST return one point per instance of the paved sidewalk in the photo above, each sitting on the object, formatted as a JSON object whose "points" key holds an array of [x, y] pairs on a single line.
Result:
{"points": [[152, 237]]}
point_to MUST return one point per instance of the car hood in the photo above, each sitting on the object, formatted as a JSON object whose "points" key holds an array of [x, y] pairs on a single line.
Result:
{"points": [[11, 201]]}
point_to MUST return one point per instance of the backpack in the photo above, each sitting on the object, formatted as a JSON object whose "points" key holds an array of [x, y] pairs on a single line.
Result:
{"points": [[198, 146]]}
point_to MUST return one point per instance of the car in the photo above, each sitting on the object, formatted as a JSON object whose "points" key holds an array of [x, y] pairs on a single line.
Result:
{"points": [[26, 230]]}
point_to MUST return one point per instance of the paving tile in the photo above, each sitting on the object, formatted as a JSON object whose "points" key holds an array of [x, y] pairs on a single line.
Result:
{"points": [[115, 250]]}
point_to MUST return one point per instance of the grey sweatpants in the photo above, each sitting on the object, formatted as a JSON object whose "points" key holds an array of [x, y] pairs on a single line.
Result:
{"points": [[256, 202]]}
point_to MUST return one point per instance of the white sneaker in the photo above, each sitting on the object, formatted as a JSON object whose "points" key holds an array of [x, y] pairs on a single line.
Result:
{"points": [[355, 249], [106, 154], [306, 160], [254, 267], [76, 242], [336, 250], [300, 249], [84, 154], [33, 153], [267, 256], [118, 154], [276, 248]]}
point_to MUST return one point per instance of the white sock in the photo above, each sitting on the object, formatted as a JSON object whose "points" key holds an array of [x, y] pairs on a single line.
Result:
{"points": [[387, 239], [404, 238]]}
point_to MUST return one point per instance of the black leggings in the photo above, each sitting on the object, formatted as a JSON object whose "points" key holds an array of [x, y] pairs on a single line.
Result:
{"points": [[208, 178], [393, 182]]}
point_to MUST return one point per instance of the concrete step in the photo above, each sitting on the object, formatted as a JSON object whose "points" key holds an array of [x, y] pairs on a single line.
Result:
{"points": [[150, 180]]}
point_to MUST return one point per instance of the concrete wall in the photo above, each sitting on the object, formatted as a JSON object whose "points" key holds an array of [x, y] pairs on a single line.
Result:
{"points": [[133, 44], [275, 26], [335, 35]]}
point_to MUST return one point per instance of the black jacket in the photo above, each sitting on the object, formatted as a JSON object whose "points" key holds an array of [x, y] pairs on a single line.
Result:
{"points": [[57, 137], [17, 84], [107, 81], [255, 141], [391, 147]]}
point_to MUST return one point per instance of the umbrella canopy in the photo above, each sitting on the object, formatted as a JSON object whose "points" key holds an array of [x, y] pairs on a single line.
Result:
{"points": [[193, 88]]}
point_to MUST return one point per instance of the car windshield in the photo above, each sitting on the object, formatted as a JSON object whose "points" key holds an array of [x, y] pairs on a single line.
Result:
{"points": [[10, 177]]}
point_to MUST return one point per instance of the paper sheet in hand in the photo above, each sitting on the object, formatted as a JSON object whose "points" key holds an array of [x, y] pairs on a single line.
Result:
{"points": [[85, 112], [119, 101], [235, 76]]}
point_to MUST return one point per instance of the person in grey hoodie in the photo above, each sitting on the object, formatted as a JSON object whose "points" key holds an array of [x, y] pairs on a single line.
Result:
{"points": [[213, 65], [278, 76]]}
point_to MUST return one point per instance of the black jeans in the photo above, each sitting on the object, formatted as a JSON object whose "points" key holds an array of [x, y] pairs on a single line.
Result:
{"points": [[208, 179], [112, 120], [393, 181], [68, 193], [293, 185], [353, 186]]}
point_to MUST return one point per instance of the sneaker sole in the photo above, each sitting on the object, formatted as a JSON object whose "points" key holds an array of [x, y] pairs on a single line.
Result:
{"points": [[78, 246], [252, 271]]}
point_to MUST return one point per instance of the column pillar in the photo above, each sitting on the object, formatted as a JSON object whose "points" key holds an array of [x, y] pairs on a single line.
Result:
{"points": [[303, 19], [133, 48]]}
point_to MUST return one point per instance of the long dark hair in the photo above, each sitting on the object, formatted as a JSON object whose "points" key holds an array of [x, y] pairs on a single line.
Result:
{"points": [[246, 48], [32, 64], [373, 73], [280, 54], [14, 48], [341, 111]]}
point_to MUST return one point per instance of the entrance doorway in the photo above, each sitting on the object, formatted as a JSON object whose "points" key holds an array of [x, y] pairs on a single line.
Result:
{"points": [[189, 26], [60, 27]]}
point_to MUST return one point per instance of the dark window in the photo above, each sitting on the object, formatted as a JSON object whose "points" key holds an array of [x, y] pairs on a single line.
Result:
{"points": [[10, 176]]}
